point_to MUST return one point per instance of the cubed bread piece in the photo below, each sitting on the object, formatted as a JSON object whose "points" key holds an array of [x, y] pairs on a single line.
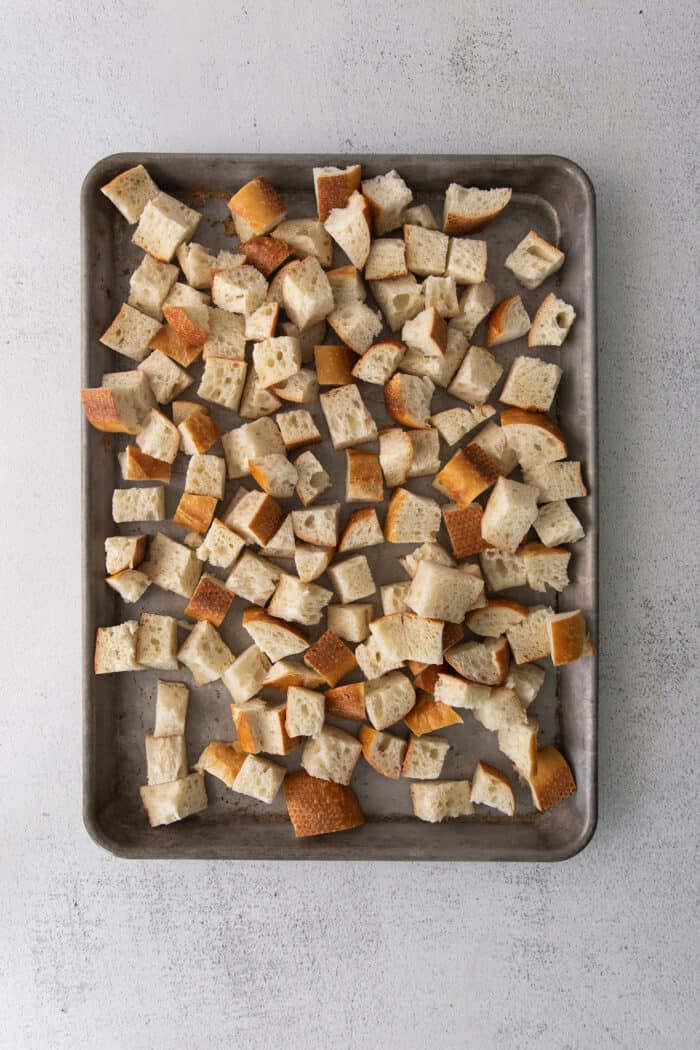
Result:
{"points": [[346, 701], [438, 800], [275, 475], [474, 305], [552, 780], [205, 653], [182, 409], [115, 648], [320, 807], [438, 368], [426, 250], [508, 321], [426, 332], [164, 224], [334, 364], [519, 744], [349, 421], [362, 530], [466, 261], [350, 622], [262, 323], [311, 562], [394, 597], [198, 433], [531, 384], [347, 285], [190, 323], [352, 578], [495, 617], [167, 803], [373, 661], [567, 637], [529, 639], [138, 504], [130, 333], [500, 710], [350, 228], [183, 295], [430, 551], [440, 592], [527, 680], [312, 479], [425, 757], [172, 699], [330, 658], [399, 299], [463, 526], [283, 543], [159, 438], [441, 294], [276, 359], [251, 441], [300, 602], [286, 673], [306, 237], [137, 466], [492, 788], [172, 566], [166, 759], [259, 778], [395, 455], [211, 601], [275, 637], [306, 294], [388, 699], [454, 691], [411, 518], [149, 286], [196, 264], [556, 481], [334, 187], [476, 377], [546, 566], [380, 362], [256, 208], [228, 260], [130, 192], [364, 481], [195, 512], [167, 379], [552, 322], [317, 525], [485, 662], [226, 335], [387, 258], [426, 453], [121, 404], [331, 755], [261, 727], [297, 428], [256, 517], [266, 254], [254, 578], [156, 642], [305, 712], [405, 636], [468, 208], [407, 399], [556, 523], [509, 513], [387, 196], [383, 751], [124, 552], [276, 287], [206, 476], [301, 388], [491, 439], [239, 291], [533, 260], [245, 677], [356, 324], [534, 438], [420, 215]]}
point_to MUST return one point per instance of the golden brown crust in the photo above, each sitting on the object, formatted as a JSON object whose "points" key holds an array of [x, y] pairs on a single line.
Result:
{"points": [[469, 473], [221, 760], [255, 615], [296, 675], [497, 320], [429, 714], [174, 346], [334, 365], [331, 658], [552, 780], [244, 722], [427, 677], [210, 601], [335, 190], [456, 223], [320, 807], [522, 417], [266, 520], [100, 405], [396, 404], [195, 512], [463, 526], [137, 466], [356, 518], [182, 323], [266, 254], [202, 430], [369, 738], [451, 634], [346, 701], [567, 637], [258, 204], [365, 480], [502, 656]]}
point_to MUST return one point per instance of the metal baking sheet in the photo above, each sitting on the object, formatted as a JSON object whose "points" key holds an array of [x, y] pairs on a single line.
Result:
{"points": [[555, 197]]}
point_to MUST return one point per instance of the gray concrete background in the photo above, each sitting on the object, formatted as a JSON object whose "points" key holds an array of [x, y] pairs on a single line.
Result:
{"points": [[599, 951]]}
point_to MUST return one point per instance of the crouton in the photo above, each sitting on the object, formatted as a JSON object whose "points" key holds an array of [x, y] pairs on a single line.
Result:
{"points": [[533, 260], [469, 209], [552, 322], [130, 192], [387, 196], [411, 518], [164, 224], [349, 421]]}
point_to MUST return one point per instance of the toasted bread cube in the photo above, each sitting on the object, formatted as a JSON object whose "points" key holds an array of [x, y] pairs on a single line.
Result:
{"points": [[149, 286], [191, 324], [529, 639], [239, 291], [156, 642], [492, 788], [420, 215], [347, 285], [334, 187], [440, 368], [387, 258], [130, 333], [167, 379], [399, 299], [552, 780], [196, 264], [383, 751], [442, 593], [166, 803], [301, 602], [531, 384], [164, 224], [466, 261], [476, 377], [244, 678], [527, 680], [533, 260], [306, 294], [265, 253], [426, 332], [546, 566], [166, 758], [130, 192], [261, 727], [312, 479], [311, 562], [222, 382], [206, 476], [426, 250], [352, 578], [349, 421], [356, 324], [334, 365], [205, 653], [195, 512], [438, 800], [259, 778], [428, 715], [407, 399], [174, 345], [115, 648], [362, 530], [441, 294], [500, 710], [331, 755], [509, 513], [484, 662], [330, 658], [252, 441], [425, 757], [121, 404], [492, 440], [198, 433], [257, 517], [254, 578], [474, 305], [303, 238], [172, 699], [276, 476], [159, 438], [349, 227], [297, 428], [124, 552], [556, 481], [221, 760], [394, 598], [457, 692], [256, 208], [319, 807], [567, 637], [428, 551], [507, 322], [317, 525], [276, 359], [305, 712], [556, 523], [411, 518], [519, 744], [387, 196], [388, 699], [211, 601], [226, 337], [552, 322], [350, 622], [172, 566], [364, 481], [286, 673], [468, 208], [138, 504], [137, 466]]}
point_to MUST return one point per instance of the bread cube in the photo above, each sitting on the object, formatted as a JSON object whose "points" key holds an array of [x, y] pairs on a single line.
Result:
{"points": [[331, 755], [349, 227], [305, 237], [440, 369], [244, 678], [551, 780], [474, 305], [130, 333], [156, 642], [121, 404], [167, 379], [533, 260], [466, 261], [442, 593], [195, 512], [311, 562], [364, 479], [454, 691], [198, 432], [350, 622], [306, 294], [115, 648], [130, 192], [253, 578], [317, 525], [349, 421], [252, 441], [492, 788], [426, 332], [387, 196], [493, 441], [509, 513], [429, 551], [420, 215], [399, 299], [411, 518], [428, 715], [164, 224], [159, 438], [259, 778], [256, 517], [138, 504], [556, 481], [137, 466], [256, 208], [172, 566], [334, 187], [546, 566], [556, 523], [227, 336], [172, 699], [552, 322], [426, 250], [425, 757], [261, 727], [124, 552], [383, 751], [330, 658], [239, 291], [352, 578], [312, 479], [495, 617], [305, 712], [276, 359], [476, 377], [395, 455], [356, 324], [301, 602], [441, 294], [388, 699], [380, 362], [426, 453], [407, 399], [463, 526], [468, 208], [211, 601], [166, 758], [485, 662], [297, 428], [393, 597], [507, 322], [149, 286], [206, 476], [531, 384], [373, 661], [519, 744], [527, 681], [567, 637], [347, 285], [205, 653], [529, 639], [500, 710], [362, 530], [387, 258], [167, 803]]}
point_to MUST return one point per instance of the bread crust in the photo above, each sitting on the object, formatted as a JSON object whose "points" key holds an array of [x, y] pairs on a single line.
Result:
{"points": [[331, 658], [202, 431], [174, 346], [463, 526], [567, 635], [138, 466], [266, 520], [320, 807], [396, 403], [211, 601], [258, 204], [185, 326], [347, 701], [221, 760], [334, 365], [195, 512], [469, 473], [429, 714], [266, 254], [498, 320], [102, 411], [365, 480], [552, 780], [334, 189], [519, 612]]}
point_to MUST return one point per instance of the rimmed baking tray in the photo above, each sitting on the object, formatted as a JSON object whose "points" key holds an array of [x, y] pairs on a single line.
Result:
{"points": [[553, 196]]}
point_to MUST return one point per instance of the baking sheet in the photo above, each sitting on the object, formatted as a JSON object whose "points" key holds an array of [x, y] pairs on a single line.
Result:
{"points": [[551, 195]]}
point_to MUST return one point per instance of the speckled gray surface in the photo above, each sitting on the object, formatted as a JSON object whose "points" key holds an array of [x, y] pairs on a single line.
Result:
{"points": [[599, 951]]}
